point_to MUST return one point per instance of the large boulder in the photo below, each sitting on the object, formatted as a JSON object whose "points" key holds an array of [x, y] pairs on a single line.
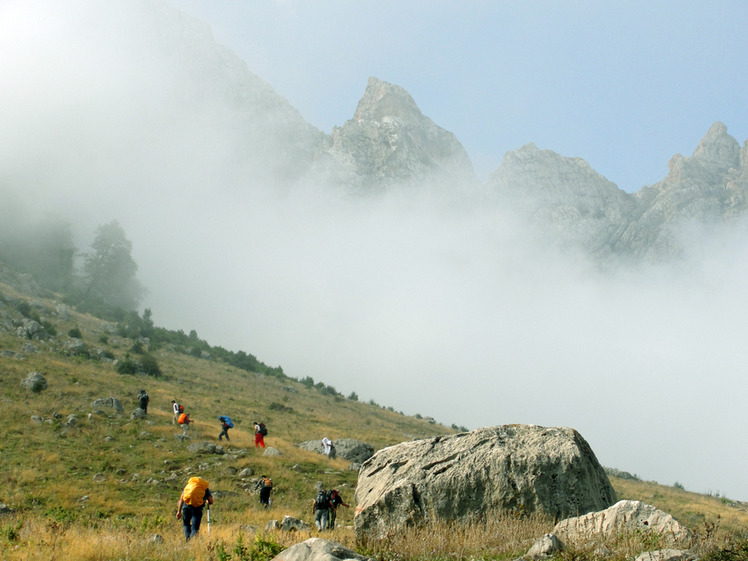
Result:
{"points": [[318, 549], [626, 517], [520, 468], [347, 448]]}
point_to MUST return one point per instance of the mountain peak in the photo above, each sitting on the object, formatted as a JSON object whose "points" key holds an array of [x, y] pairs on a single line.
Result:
{"points": [[382, 99], [718, 147]]}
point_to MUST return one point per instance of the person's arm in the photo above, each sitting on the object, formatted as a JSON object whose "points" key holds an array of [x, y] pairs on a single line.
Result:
{"points": [[180, 502], [208, 497]]}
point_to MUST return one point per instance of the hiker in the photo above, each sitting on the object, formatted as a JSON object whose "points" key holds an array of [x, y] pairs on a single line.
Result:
{"points": [[265, 485], [260, 434], [335, 500], [190, 505], [321, 506], [226, 424], [143, 400], [178, 410], [184, 420], [329, 447]]}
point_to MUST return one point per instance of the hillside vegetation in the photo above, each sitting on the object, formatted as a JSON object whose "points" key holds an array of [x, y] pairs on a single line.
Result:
{"points": [[105, 486]]}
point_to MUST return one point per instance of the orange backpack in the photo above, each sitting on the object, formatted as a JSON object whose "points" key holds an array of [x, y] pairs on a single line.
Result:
{"points": [[194, 492], [182, 419]]}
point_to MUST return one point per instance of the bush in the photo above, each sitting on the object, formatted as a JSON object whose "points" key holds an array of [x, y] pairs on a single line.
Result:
{"points": [[127, 366], [75, 333]]}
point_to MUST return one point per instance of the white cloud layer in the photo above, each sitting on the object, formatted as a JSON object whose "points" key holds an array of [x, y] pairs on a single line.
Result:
{"points": [[455, 313]]}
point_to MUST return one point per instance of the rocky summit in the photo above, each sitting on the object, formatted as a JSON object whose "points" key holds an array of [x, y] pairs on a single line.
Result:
{"points": [[520, 468]]}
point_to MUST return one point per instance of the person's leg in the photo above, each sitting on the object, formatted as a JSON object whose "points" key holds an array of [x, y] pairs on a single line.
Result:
{"points": [[325, 515], [332, 515], [197, 516], [187, 520]]}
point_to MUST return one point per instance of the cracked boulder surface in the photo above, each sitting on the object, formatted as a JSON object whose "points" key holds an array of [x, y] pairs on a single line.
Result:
{"points": [[511, 468]]}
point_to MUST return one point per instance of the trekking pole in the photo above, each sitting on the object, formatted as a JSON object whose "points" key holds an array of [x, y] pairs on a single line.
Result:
{"points": [[208, 518]]}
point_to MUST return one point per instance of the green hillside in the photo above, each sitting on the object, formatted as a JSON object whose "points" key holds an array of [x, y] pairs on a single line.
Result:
{"points": [[103, 486]]}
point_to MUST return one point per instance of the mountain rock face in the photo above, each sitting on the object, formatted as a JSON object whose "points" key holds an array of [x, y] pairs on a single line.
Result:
{"points": [[389, 142], [576, 207], [522, 468]]}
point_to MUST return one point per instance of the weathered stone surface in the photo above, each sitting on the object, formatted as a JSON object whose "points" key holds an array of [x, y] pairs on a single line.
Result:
{"points": [[389, 142], [270, 451], [317, 549], [668, 555], [205, 447], [291, 524], [108, 402], [544, 547], [624, 516], [522, 468], [346, 448], [34, 382]]}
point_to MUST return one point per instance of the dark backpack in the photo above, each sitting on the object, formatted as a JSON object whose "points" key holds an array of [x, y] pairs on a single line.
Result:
{"points": [[181, 408], [322, 501], [263, 429]]}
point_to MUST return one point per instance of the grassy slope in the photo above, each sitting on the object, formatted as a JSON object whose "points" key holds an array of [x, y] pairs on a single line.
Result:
{"points": [[47, 469]]}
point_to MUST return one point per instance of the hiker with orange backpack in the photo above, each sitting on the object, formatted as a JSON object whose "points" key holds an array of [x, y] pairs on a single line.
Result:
{"points": [[190, 505], [178, 409], [184, 420]]}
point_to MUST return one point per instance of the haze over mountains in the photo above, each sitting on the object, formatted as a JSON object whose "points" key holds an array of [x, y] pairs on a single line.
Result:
{"points": [[372, 258]]}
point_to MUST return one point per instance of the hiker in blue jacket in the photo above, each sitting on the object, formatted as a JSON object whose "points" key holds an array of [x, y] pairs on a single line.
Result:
{"points": [[226, 424]]}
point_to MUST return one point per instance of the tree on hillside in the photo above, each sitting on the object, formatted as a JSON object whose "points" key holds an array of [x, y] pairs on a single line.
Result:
{"points": [[109, 270]]}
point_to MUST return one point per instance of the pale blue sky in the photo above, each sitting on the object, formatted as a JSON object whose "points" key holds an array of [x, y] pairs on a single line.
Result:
{"points": [[624, 85]]}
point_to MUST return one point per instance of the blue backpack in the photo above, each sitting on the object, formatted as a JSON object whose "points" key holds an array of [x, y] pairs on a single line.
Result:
{"points": [[227, 420]]}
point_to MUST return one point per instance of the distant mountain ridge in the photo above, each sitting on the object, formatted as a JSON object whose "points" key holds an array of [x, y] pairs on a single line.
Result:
{"points": [[388, 144]]}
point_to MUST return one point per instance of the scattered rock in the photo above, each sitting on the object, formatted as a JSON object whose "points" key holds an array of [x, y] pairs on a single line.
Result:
{"points": [[668, 555], [246, 473], [108, 402], [345, 448], [138, 414], [270, 451], [205, 447], [291, 524], [317, 549], [624, 516], [5, 509], [545, 547], [99, 478], [34, 382]]}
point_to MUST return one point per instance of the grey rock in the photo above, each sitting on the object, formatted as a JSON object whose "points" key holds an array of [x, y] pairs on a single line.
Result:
{"points": [[544, 547], [99, 478], [345, 448], [138, 414], [34, 382], [624, 516], [246, 473], [108, 402], [668, 555], [522, 468], [205, 447], [318, 549], [291, 524], [270, 451], [5, 509]]}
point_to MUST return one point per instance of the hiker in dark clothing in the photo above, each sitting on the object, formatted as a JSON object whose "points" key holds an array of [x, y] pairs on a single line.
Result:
{"points": [[225, 426], [143, 400], [321, 507], [265, 485], [335, 500]]}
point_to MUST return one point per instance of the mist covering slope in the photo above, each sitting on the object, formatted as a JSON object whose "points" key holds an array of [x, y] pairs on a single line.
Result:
{"points": [[372, 258]]}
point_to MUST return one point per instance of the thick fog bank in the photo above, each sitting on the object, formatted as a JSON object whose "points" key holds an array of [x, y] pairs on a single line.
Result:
{"points": [[456, 311]]}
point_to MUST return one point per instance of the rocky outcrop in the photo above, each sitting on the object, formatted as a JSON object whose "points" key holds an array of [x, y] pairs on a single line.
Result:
{"points": [[624, 517], [563, 197], [574, 207], [108, 403], [317, 549], [707, 188], [520, 468], [34, 382], [390, 143], [346, 448]]}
